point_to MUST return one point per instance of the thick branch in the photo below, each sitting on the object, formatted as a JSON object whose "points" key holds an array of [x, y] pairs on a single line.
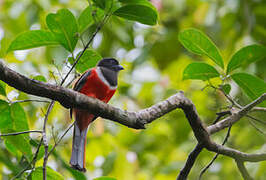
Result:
{"points": [[190, 162], [69, 98]]}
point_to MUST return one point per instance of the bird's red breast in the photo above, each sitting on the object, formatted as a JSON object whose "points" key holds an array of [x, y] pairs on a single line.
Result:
{"points": [[92, 86], [95, 87]]}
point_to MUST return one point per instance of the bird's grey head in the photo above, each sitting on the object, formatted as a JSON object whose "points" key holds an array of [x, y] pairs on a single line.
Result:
{"points": [[111, 64], [109, 68]]}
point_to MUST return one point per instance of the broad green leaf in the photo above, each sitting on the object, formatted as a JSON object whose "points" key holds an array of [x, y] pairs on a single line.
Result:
{"points": [[107, 4], [101, 3], [65, 28], [251, 85], [19, 118], [104, 178], [5, 116], [245, 56], [40, 78], [32, 39], [85, 19], [2, 88], [11, 148], [37, 174], [200, 71], [226, 88], [88, 60], [142, 12], [13, 119], [197, 42]]}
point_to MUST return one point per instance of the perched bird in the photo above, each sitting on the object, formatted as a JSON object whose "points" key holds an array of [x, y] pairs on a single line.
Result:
{"points": [[99, 82]]}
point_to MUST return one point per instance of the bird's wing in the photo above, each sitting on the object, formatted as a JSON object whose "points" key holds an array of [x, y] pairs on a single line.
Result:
{"points": [[79, 84]]}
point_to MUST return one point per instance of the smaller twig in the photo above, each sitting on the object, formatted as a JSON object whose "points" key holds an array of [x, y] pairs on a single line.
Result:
{"points": [[258, 109], [243, 170], [54, 77], [190, 162], [233, 102], [45, 141], [59, 140], [220, 115], [58, 71], [29, 100], [22, 132], [215, 157], [31, 163], [53, 134], [258, 129], [256, 119]]}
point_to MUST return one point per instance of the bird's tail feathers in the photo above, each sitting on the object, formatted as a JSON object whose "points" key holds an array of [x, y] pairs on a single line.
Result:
{"points": [[77, 160]]}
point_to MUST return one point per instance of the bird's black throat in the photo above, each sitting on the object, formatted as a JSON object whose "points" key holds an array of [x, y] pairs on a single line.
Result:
{"points": [[110, 75]]}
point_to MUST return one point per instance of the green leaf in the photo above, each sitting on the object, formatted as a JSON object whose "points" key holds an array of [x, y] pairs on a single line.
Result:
{"points": [[101, 3], [197, 42], [40, 78], [2, 88], [200, 71], [141, 11], [37, 174], [19, 118], [11, 148], [88, 60], [13, 119], [32, 39], [245, 56], [65, 28], [85, 19], [226, 88], [251, 85], [104, 178]]}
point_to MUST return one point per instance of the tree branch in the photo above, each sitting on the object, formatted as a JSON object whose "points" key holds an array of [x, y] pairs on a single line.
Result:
{"points": [[190, 162], [235, 116], [243, 170], [216, 155], [72, 99], [22, 132], [69, 98]]}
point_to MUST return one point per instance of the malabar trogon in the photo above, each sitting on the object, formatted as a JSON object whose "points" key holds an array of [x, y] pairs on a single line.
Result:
{"points": [[99, 82]]}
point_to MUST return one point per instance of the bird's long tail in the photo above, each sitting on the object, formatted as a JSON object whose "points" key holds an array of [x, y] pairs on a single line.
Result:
{"points": [[77, 160]]}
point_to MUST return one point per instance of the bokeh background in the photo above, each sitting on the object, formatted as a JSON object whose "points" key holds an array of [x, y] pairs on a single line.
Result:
{"points": [[154, 61]]}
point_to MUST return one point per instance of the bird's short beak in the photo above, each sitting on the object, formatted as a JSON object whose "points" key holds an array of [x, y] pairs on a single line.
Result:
{"points": [[118, 67]]}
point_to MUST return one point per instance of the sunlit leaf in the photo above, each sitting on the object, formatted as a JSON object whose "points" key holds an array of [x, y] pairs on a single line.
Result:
{"points": [[104, 178], [65, 28], [200, 71], [40, 78], [13, 119], [197, 42], [251, 85], [37, 174], [88, 60], [19, 118], [5, 116], [226, 88], [11, 148], [2, 88], [101, 3], [85, 19], [245, 56], [141, 11], [33, 39]]}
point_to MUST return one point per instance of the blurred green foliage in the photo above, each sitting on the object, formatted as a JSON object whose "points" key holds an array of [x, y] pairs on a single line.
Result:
{"points": [[154, 60]]}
